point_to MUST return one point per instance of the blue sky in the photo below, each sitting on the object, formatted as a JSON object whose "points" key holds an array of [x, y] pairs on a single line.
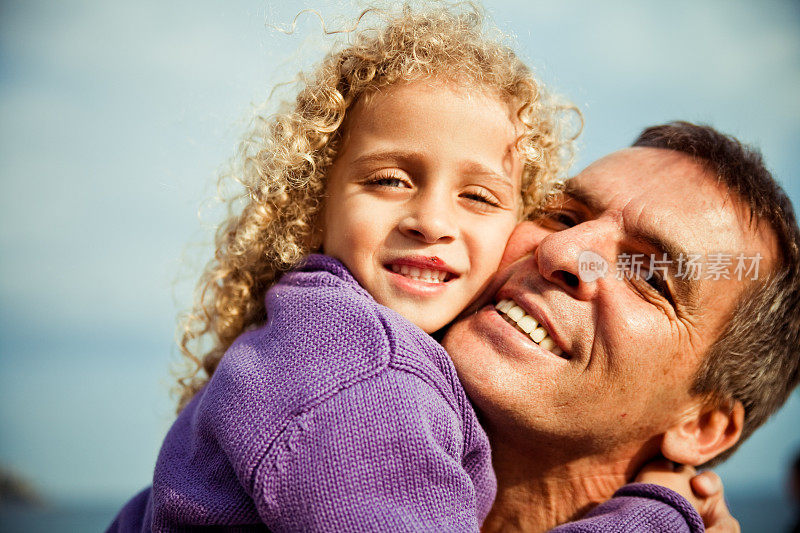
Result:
{"points": [[115, 118]]}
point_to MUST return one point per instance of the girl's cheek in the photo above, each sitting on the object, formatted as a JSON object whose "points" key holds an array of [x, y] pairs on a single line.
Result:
{"points": [[493, 241]]}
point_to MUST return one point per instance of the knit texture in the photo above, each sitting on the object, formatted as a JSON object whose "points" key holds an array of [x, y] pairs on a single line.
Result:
{"points": [[639, 507], [340, 415], [337, 415]]}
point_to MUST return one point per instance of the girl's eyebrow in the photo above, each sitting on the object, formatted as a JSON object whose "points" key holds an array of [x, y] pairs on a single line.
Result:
{"points": [[415, 159], [382, 156], [473, 168]]}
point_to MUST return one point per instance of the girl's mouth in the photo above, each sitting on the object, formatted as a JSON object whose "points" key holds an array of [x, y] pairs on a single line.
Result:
{"points": [[431, 270], [421, 274]]}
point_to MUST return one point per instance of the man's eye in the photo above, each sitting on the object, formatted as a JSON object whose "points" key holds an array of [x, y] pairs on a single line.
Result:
{"points": [[655, 281], [658, 284], [563, 219]]}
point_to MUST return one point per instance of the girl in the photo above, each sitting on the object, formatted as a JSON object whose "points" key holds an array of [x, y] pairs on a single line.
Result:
{"points": [[407, 158]]}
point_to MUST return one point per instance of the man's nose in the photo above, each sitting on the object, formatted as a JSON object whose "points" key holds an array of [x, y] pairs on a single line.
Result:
{"points": [[578, 259], [430, 219]]}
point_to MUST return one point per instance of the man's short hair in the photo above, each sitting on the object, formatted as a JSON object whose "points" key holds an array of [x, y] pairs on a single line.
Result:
{"points": [[756, 358]]}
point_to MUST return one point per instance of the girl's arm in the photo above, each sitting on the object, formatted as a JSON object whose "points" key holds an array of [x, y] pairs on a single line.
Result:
{"points": [[667, 497], [639, 508], [393, 463]]}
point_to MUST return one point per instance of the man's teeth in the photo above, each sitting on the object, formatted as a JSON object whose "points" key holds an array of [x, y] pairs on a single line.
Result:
{"points": [[528, 324], [420, 274]]}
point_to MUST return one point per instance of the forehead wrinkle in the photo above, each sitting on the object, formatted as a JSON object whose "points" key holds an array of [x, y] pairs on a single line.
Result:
{"points": [[648, 234]]}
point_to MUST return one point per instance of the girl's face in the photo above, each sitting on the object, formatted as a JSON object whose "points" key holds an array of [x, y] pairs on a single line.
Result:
{"points": [[423, 196]]}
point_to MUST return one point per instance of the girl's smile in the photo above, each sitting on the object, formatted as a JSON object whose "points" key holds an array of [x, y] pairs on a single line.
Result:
{"points": [[424, 275], [423, 196]]}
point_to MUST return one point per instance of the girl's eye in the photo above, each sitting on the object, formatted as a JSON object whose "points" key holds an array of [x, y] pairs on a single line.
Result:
{"points": [[481, 196], [389, 180]]}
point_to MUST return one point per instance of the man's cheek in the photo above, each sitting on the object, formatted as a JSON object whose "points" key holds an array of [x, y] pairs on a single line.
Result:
{"points": [[523, 241]]}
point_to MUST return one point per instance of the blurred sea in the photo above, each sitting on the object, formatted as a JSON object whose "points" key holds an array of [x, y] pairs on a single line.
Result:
{"points": [[72, 518], [757, 512]]}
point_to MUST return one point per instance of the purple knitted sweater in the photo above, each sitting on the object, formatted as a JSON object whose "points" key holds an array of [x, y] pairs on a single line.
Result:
{"points": [[338, 415]]}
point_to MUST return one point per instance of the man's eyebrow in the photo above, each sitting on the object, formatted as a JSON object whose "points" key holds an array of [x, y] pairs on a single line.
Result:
{"points": [[658, 243], [648, 236], [685, 287], [583, 196]]}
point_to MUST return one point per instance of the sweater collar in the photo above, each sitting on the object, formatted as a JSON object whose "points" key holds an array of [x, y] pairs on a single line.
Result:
{"points": [[317, 262]]}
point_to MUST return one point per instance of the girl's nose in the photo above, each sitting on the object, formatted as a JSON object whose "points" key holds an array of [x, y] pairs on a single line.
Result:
{"points": [[430, 220]]}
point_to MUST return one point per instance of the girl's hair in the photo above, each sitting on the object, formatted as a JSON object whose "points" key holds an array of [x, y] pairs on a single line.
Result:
{"points": [[272, 223]]}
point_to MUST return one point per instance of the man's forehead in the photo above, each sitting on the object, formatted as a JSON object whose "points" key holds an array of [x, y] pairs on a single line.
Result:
{"points": [[644, 172], [657, 183], [671, 202]]}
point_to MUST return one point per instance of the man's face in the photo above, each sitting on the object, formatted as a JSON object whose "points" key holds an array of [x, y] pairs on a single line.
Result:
{"points": [[631, 345]]}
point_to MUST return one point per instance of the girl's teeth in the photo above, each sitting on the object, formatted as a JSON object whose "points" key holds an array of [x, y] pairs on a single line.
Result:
{"points": [[528, 324], [420, 274]]}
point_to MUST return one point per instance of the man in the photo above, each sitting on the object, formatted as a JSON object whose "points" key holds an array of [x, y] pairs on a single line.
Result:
{"points": [[661, 354]]}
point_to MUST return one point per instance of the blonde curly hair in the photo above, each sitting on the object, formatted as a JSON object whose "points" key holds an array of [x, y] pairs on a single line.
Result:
{"points": [[285, 160]]}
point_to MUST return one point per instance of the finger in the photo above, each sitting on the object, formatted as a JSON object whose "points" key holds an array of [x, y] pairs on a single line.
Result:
{"points": [[727, 525], [687, 470], [714, 510], [706, 484], [718, 518], [660, 465]]}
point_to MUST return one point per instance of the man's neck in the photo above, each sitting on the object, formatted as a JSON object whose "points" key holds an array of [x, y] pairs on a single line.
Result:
{"points": [[537, 493]]}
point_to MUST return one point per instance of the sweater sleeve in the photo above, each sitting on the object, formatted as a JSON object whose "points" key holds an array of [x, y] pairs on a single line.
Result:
{"points": [[381, 455], [639, 507]]}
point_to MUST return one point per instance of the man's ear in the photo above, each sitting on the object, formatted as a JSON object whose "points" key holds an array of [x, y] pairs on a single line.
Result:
{"points": [[704, 432]]}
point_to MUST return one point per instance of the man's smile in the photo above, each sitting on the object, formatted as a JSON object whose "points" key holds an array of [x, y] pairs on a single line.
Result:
{"points": [[525, 323]]}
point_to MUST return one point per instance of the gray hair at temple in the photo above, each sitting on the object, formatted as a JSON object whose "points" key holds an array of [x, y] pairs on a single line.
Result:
{"points": [[756, 359]]}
